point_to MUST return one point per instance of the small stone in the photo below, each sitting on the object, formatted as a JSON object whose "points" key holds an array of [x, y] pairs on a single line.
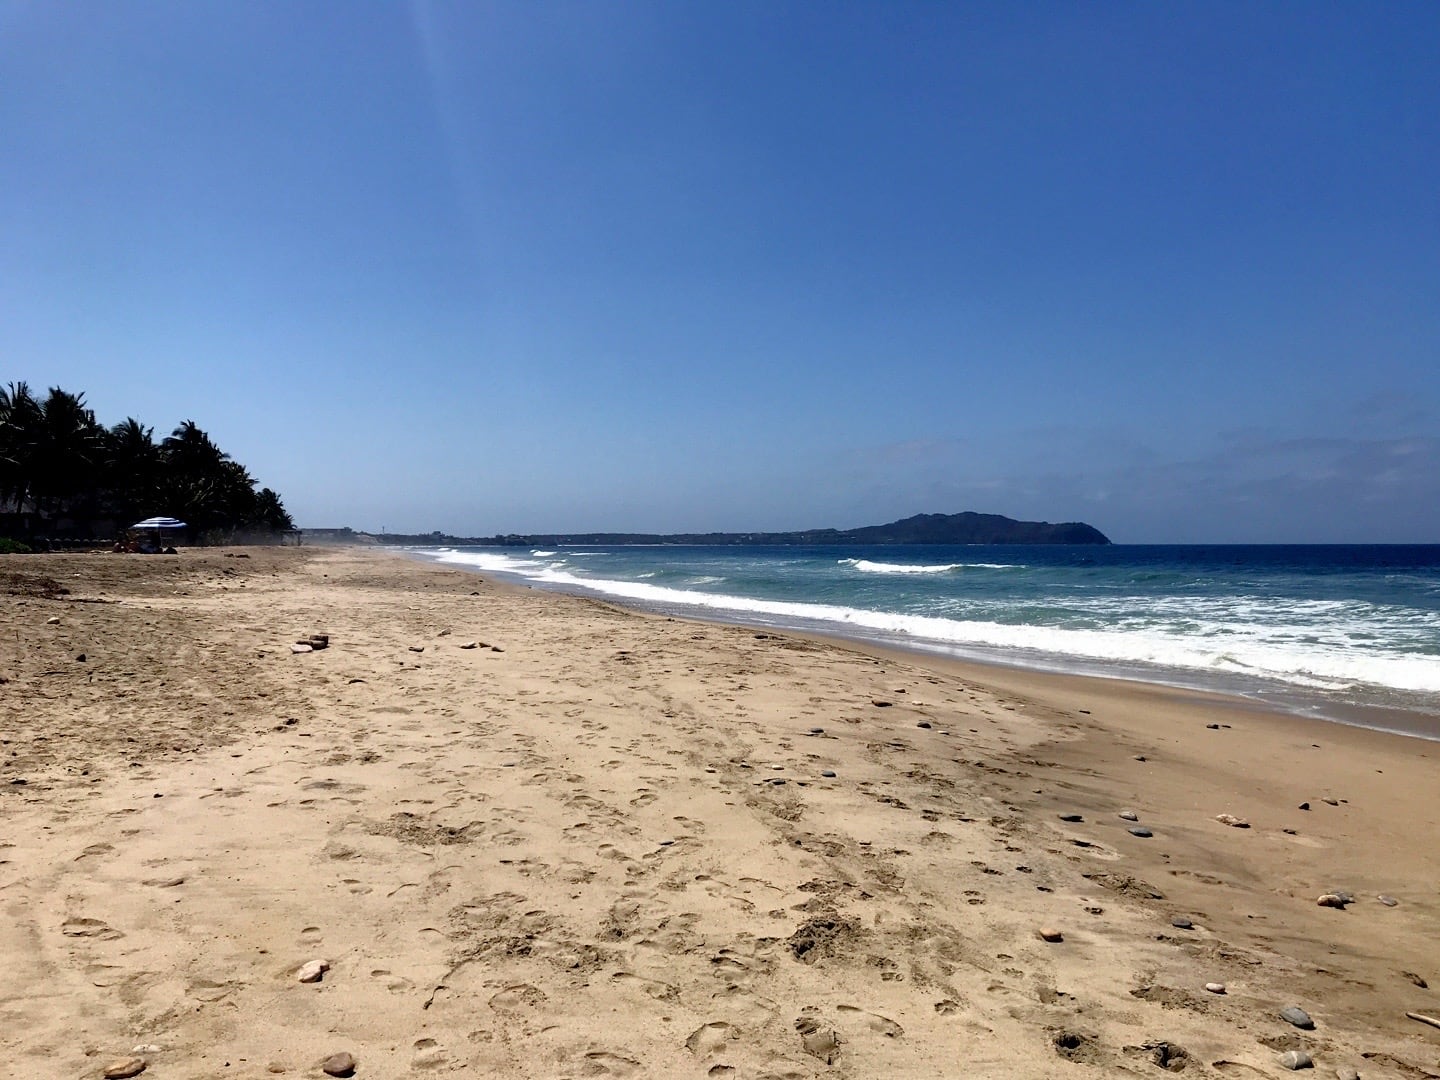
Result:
{"points": [[881, 704], [1233, 821], [829, 774], [1128, 815], [1304, 806], [817, 731], [1330, 802], [1072, 817], [300, 647], [1388, 901], [496, 648], [1213, 727], [1139, 830], [923, 724], [342, 1064], [145, 1048], [471, 645], [1330, 899], [1345, 1072], [54, 620], [1296, 1059], [80, 660], [1180, 922], [313, 971], [120, 1070], [1049, 933], [1141, 757], [1215, 988], [1293, 1014], [417, 648], [1416, 979]]}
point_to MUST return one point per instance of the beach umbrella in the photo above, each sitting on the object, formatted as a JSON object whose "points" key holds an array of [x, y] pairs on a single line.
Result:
{"points": [[159, 523]]}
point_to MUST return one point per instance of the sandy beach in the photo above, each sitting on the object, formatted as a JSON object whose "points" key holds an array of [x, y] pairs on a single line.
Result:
{"points": [[534, 835]]}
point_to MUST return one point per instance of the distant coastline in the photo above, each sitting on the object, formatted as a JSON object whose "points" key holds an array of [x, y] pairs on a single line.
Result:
{"points": [[963, 528]]}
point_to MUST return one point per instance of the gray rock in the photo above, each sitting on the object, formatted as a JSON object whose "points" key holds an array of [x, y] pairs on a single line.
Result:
{"points": [[342, 1064], [313, 971], [1139, 830], [1388, 901], [1180, 922], [1072, 817], [1296, 1059], [1215, 988], [829, 774], [1293, 1014], [1345, 1072], [1128, 815]]}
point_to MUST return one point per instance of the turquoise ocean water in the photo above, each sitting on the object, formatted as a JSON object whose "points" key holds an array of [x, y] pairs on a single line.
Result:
{"points": [[1347, 632]]}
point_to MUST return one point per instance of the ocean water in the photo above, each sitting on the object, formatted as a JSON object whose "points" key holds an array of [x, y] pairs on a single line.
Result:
{"points": [[1329, 630]]}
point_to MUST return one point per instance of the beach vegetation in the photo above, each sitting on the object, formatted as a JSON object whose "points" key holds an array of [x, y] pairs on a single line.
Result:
{"points": [[62, 473]]}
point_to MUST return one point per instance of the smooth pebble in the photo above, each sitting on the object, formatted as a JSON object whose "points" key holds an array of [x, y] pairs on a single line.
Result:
{"points": [[1180, 922], [121, 1070], [1215, 988], [342, 1064], [1049, 933], [1293, 1014], [1128, 815], [1296, 1059], [1139, 830], [313, 971]]}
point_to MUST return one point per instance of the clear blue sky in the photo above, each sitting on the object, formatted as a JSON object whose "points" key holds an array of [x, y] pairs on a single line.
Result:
{"points": [[1172, 269]]}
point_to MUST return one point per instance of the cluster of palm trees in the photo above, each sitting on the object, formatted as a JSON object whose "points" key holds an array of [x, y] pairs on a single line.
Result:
{"points": [[59, 468]]}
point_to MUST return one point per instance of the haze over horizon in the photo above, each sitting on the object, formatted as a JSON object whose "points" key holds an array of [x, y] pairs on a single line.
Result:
{"points": [[1173, 271]]}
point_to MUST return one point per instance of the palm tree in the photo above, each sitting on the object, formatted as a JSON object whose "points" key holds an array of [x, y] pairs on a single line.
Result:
{"points": [[67, 453], [272, 512], [132, 468], [19, 437]]}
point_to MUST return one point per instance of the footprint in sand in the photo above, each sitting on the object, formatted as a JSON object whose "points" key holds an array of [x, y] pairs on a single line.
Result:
{"points": [[711, 1038], [519, 996], [605, 1063], [660, 991], [429, 1054], [396, 984], [94, 929], [881, 1025], [209, 990]]}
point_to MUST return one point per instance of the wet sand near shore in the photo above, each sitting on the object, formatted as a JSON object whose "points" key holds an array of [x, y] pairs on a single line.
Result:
{"points": [[602, 843]]}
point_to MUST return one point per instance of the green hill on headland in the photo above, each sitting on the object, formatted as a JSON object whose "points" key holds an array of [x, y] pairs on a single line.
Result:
{"points": [[966, 528]]}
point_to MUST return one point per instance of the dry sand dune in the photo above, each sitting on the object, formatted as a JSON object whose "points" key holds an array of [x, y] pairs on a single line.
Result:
{"points": [[609, 844]]}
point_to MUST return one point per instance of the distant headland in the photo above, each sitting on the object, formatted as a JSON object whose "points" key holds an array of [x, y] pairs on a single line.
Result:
{"points": [[964, 528]]}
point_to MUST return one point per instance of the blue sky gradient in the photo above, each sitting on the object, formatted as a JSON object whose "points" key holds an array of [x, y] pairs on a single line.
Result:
{"points": [[1170, 269]]}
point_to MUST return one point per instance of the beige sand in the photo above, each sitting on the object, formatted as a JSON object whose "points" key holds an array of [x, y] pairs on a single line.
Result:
{"points": [[574, 857]]}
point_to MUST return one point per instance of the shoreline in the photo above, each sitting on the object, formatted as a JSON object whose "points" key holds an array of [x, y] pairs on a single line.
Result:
{"points": [[612, 843], [1287, 701]]}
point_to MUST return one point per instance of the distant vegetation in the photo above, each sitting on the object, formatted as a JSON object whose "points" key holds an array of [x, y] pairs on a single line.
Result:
{"points": [[63, 474], [964, 528]]}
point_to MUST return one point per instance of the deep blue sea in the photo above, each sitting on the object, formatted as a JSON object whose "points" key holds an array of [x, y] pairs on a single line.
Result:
{"points": [[1321, 629]]}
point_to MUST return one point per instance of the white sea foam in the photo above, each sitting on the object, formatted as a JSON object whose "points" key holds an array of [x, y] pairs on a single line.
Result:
{"points": [[868, 567], [1262, 652], [542, 554]]}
